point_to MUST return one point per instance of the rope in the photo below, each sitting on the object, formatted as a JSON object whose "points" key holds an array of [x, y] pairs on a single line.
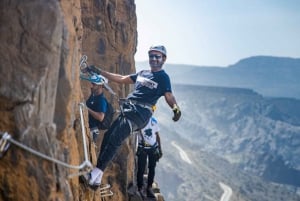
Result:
{"points": [[85, 165]]}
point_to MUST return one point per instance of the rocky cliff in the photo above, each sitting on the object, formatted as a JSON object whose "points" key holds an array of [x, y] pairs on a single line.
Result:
{"points": [[41, 44], [231, 135]]}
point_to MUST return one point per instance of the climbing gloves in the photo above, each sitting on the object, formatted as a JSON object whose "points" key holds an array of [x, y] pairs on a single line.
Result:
{"points": [[92, 69], [177, 112], [160, 154]]}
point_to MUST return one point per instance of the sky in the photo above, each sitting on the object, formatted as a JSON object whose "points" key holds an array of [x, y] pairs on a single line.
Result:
{"points": [[218, 32]]}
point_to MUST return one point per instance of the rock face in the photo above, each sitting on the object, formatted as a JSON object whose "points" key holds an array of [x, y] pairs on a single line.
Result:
{"points": [[41, 44]]}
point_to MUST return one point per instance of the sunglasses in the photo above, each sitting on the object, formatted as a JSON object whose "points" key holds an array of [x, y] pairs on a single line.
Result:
{"points": [[156, 56]]}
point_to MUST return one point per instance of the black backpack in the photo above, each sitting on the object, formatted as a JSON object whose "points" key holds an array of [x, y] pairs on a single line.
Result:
{"points": [[108, 117]]}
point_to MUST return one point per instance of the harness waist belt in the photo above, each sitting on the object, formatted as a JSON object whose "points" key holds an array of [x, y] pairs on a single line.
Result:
{"points": [[144, 105], [146, 145]]}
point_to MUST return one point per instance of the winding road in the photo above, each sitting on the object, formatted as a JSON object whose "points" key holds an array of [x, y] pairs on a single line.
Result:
{"points": [[182, 153], [227, 192]]}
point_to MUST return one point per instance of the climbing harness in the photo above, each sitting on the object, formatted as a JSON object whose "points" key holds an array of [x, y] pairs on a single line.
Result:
{"points": [[84, 167]]}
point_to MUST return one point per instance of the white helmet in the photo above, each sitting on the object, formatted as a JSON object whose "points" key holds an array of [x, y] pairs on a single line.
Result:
{"points": [[159, 48], [98, 79]]}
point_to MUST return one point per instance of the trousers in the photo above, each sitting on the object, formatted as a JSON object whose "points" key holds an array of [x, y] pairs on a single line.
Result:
{"points": [[132, 118], [143, 155]]}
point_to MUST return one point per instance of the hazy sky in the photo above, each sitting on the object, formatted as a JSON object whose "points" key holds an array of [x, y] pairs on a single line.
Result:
{"points": [[218, 32]]}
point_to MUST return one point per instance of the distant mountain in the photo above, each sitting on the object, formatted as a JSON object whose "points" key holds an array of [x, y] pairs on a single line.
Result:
{"points": [[270, 76], [232, 135]]}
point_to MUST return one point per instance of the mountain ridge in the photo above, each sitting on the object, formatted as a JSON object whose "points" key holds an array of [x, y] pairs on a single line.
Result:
{"points": [[246, 60], [270, 76]]}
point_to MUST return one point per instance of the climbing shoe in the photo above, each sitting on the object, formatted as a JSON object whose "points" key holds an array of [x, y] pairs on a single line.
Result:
{"points": [[150, 193]]}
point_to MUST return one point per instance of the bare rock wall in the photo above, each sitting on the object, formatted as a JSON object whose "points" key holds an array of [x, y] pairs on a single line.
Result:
{"points": [[41, 44]]}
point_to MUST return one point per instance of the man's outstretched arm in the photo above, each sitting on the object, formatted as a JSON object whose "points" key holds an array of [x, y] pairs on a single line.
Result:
{"points": [[121, 79], [170, 99]]}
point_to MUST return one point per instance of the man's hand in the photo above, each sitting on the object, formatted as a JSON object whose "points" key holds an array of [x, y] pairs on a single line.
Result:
{"points": [[160, 153], [91, 69], [157, 153], [177, 113]]}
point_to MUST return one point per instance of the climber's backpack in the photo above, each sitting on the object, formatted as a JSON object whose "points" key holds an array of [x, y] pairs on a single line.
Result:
{"points": [[108, 117]]}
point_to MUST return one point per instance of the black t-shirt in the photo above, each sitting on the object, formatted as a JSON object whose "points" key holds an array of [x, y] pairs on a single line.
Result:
{"points": [[150, 86]]}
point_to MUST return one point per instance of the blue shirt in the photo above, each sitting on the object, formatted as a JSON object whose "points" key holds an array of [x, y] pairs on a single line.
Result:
{"points": [[150, 86], [97, 104]]}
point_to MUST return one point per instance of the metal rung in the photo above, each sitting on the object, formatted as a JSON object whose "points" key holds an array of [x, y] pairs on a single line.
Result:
{"points": [[106, 193], [105, 190]]}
